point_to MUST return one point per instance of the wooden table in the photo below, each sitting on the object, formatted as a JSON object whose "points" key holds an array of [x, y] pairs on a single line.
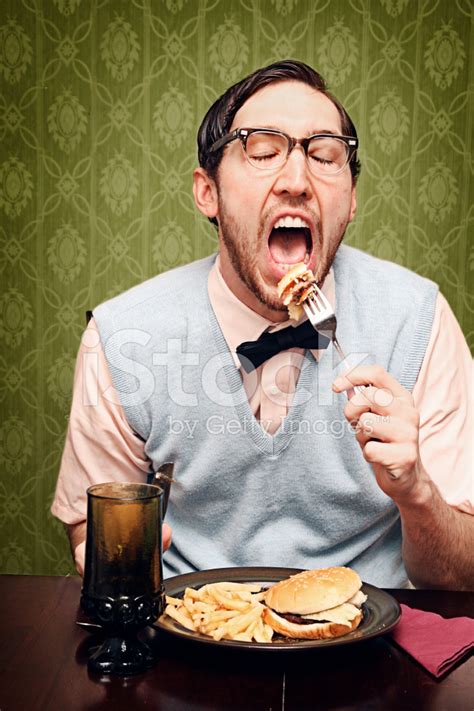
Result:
{"points": [[43, 665]]}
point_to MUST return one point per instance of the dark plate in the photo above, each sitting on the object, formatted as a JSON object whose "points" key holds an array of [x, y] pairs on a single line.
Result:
{"points": [[381, 611]]}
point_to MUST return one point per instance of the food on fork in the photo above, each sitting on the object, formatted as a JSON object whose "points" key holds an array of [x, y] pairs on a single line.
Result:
{"points": [[294, 287], [315, 604]]}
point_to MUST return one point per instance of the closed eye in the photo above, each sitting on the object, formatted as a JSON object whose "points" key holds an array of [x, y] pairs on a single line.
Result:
{"points": [[263, 156], [323, 161]]}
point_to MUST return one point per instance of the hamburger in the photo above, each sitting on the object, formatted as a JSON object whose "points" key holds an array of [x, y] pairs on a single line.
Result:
{"points": [[294, 287], [315, 604]]}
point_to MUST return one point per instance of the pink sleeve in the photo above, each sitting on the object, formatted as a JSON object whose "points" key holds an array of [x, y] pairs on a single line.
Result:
{"points": [[443, 396], [100, 444]]}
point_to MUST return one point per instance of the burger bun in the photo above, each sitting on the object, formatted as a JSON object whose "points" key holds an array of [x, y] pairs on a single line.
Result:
{"points": [[313, 590], [319, 630]]}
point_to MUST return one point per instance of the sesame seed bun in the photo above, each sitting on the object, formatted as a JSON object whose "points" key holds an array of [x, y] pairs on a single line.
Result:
{"points": [[313, 590]]}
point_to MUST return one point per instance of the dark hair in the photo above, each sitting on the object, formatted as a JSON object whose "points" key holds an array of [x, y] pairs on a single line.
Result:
{"points": [[218, 119]]}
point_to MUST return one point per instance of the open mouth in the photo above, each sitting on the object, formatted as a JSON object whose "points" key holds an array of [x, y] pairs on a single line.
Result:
{"points": [[290, 241]]}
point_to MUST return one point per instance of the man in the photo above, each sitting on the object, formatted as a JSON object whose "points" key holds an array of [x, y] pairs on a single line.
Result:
{"points": [[267, 468]]}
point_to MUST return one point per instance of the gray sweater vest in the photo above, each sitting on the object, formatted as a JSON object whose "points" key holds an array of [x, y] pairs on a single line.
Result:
{"points": [[303, 497]]}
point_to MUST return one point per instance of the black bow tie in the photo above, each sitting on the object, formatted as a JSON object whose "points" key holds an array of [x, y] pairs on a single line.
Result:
{"points": [[254, 353]]}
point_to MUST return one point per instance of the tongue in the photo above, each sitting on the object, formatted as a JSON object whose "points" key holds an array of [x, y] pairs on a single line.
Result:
{"points": [[287, 246]]}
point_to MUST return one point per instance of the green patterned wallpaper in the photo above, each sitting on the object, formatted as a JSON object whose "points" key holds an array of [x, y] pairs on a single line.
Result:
{"points": [[99, 106]]}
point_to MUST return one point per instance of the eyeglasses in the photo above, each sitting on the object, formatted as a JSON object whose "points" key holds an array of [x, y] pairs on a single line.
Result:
{"points": [[268, 149]]}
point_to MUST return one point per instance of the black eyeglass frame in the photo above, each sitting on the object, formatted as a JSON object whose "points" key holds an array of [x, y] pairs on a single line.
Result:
{"points": [[243, 134]]}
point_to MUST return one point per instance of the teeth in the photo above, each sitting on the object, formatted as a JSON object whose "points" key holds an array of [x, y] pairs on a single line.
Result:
{"points": [[291, 222]]}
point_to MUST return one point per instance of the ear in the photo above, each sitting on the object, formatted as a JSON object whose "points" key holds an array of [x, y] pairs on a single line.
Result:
{"points": [[353, 204], [205, 193]]}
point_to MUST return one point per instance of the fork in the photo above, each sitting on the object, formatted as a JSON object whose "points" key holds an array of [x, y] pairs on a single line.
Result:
{"points": [[163, 477], [321, 314]]}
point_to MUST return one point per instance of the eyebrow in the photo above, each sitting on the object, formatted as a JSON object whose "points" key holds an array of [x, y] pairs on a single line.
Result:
{"points": [[312, 133]]}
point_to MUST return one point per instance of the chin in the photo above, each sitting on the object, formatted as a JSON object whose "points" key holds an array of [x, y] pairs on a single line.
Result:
{"points": [[267, 294], [272, 304]]}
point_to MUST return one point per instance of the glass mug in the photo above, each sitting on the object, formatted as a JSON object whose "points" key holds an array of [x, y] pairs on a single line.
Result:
{"points": [[123, 575]]}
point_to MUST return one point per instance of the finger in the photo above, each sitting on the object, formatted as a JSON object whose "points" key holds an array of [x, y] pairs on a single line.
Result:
{"points": [[384, 428], [402, 415], [368, 399], [375, 400], [166, 534], [365, 429], [80, 556], [370, 375], [392, 456]]}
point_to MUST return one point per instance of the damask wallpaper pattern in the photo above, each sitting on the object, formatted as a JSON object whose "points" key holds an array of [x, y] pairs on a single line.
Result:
{"points": [[99, 105]]}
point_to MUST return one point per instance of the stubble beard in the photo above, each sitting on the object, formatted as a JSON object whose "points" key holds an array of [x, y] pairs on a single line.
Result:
{"points": [[245, 260]]}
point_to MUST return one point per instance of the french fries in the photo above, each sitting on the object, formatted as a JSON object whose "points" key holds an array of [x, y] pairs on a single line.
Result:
{"points": [[222, 611]]}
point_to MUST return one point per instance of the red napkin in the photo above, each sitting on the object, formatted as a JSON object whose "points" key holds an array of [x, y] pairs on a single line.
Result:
{"points": [[435, 642]]}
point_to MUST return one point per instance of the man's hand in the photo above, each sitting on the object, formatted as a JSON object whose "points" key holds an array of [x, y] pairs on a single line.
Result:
{"points": [[166, 536], [77, 539], [437, 539], [386, 423]]}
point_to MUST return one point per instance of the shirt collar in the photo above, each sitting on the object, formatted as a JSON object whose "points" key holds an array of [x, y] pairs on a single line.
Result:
{"points": [[238, 322]]}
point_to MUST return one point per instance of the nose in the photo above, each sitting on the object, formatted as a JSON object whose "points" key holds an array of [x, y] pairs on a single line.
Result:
{"points": [[294, 178]]}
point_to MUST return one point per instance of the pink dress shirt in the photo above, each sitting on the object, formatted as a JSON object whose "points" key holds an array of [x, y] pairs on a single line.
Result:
{"points": [[101, 446]]}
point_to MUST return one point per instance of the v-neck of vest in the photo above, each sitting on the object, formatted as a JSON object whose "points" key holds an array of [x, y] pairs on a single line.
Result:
{"points": [[269, 444]]}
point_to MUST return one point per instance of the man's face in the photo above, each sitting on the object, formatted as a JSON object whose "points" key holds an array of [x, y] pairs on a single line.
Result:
{"points": [[255, 255]]}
